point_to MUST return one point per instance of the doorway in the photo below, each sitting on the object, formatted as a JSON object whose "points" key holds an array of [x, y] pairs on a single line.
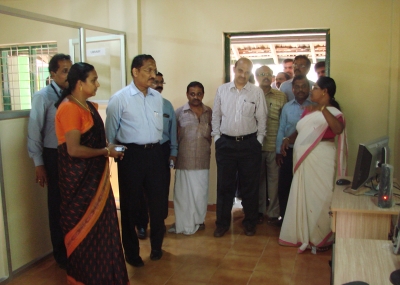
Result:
{"points": [[272, 47]]}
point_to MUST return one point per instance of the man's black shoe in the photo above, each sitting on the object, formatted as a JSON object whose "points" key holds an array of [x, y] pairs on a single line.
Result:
{"points": [[141, 233], [260, 218], [249, 230], [220, 231], [156, 254], [137, 261]]}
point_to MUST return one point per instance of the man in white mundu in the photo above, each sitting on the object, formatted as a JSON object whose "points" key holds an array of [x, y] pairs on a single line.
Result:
{"points": [[193, 162]]}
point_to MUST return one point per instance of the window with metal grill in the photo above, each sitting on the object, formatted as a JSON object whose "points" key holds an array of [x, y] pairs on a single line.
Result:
{"points": [[24, 70]]}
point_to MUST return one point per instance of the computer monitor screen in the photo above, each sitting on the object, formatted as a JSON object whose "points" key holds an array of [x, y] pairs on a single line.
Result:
{"points": [[371, 155]]}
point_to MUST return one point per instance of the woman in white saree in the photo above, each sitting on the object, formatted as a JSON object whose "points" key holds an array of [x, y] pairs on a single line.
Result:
{"points": [[307, 220]]}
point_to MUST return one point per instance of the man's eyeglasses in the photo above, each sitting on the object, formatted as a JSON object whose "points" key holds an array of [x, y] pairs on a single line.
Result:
{"points": [[264, 74], [299, 66], [149, 71], [302, 87]]}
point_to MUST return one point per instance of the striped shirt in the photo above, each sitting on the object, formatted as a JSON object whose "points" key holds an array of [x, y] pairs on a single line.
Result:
{"points": [[275, 101], [239, 112]]}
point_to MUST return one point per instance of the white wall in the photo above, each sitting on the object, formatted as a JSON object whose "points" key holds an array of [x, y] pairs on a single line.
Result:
{"points": [[186, 39]]}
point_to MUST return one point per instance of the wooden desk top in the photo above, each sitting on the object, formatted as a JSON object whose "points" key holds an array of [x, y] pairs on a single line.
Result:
{"points": [[346, 202], [366, 260]]}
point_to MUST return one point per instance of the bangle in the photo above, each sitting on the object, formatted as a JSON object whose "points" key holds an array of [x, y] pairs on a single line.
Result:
{"points": [[322, 108], [108, 152], [286, 138]]}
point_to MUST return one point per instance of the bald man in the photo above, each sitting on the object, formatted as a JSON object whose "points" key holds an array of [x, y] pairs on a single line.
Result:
{"points": [[269, 175], [238, 126]]}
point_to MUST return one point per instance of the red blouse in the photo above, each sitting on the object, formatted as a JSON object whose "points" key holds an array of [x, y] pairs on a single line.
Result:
{"points": [[329, 134]]}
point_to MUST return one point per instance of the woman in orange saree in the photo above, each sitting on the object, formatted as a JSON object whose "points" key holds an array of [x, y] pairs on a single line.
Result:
{"points": [[88, 212]]}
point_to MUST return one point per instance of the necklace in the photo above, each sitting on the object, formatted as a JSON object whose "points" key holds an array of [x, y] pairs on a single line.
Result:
{"points": [[85, 107]]}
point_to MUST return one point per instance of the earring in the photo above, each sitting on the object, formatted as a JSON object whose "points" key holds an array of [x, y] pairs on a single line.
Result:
{"points": [[81, 88], [323, 94]]}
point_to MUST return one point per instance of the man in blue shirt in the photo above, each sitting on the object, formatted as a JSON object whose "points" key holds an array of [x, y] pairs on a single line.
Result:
{"points": [[169, 146], [290, 115], [301, 66], [135, 119], [42, 147]]}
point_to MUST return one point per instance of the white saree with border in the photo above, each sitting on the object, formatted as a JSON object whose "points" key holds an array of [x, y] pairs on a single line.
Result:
{"points": [[307, 220]]}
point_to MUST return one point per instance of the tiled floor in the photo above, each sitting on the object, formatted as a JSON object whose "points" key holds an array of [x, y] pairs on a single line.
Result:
{"points": [[202, 259]]}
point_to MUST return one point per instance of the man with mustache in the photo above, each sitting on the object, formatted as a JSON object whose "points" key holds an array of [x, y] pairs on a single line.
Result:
{"points": [[238, 126], [42, 147], [135, 119], [275, 100], [169, 147], [280, 78], [301, 66], [319, 68], [193, 163], [291, 114]]}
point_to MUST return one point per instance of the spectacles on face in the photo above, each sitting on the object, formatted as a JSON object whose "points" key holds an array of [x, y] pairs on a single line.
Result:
{"points": [[263, 74], [302, 66], [302, 87], [150, 71]]}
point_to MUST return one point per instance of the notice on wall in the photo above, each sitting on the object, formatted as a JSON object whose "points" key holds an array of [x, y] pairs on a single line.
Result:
{"points": [[96, 52]]}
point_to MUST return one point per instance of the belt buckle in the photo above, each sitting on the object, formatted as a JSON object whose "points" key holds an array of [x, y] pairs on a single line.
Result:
{"points": [[239, 139]]}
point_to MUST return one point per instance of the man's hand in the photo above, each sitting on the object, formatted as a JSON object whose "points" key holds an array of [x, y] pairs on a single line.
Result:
{"points": [[284, 147], [279, 159], [173, 158], [41, 175]]}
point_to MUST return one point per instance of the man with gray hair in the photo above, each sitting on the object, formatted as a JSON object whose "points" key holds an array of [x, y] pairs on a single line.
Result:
{"points": [[269, 175]]}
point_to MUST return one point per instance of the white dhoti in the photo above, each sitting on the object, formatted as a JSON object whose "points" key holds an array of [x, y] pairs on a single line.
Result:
{"points": [[190, 199]]}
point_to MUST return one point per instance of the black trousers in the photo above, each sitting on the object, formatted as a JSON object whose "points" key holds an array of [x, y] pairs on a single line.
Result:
{"points": [[143, 216], [285, 181], [53, 203], [243, 158], [140, 173]]}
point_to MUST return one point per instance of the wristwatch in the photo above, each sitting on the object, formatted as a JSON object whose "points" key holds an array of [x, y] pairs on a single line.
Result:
{"points": [[285, 138]]}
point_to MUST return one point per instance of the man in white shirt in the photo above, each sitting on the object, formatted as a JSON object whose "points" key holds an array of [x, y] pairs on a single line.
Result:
{"points": [[238, 127]]}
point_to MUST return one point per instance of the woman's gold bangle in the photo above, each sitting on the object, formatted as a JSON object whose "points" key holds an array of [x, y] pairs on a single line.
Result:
{"points": [[322, 108], [108, 152]]}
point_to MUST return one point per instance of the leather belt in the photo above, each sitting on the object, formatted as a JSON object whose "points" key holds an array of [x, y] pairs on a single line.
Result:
{"points": [[143, 146], [240, 138]]}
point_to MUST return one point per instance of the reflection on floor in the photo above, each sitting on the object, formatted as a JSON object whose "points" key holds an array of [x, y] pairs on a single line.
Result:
{"points": [[203, 259]]}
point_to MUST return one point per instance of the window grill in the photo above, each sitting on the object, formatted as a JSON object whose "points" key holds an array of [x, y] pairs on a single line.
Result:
{"points": [[24, 70]]}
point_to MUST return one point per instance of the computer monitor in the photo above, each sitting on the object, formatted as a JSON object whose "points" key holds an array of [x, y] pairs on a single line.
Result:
{"points": [[371, 155]]}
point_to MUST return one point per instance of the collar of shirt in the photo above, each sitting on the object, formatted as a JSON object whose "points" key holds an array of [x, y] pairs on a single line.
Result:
{"points": [[135, 91], [294, 101], [56, 88], [232, 85], [186, 107]]}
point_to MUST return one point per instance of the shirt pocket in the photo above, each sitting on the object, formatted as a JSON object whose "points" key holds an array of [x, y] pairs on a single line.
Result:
{"points": [[248, 109], [274, 111]]}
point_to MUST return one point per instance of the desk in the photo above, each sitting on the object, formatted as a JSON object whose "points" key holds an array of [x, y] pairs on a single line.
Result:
{"points": [[359, 216], [366, 260]]}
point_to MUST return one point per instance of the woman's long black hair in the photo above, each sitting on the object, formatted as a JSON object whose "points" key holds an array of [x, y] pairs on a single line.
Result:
{"points": [[79, 71], [330, 85]]}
